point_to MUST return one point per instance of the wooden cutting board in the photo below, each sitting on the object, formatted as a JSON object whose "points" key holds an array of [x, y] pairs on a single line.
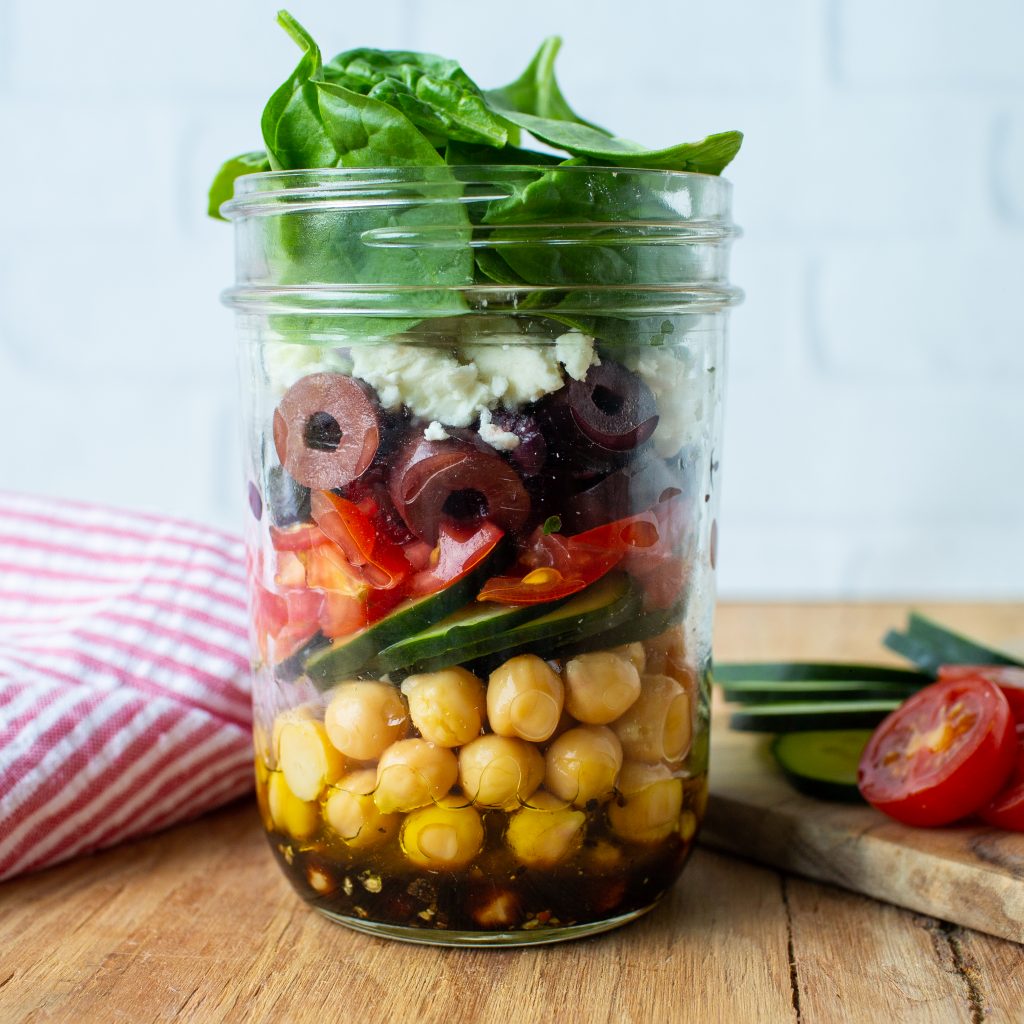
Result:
{"points": [[972, 876]]}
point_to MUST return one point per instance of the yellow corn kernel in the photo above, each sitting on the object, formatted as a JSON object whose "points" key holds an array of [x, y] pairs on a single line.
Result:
{"points": [[524, 698], [657, 727], [500, 771], [307, 758], [412, 773], [351, 812], [302, 713], [447, 835], [447, 707], [546, 832], [583, 764], [297, 818], [687, 825], [262, 781], [364, 718], [599, 687], [647, 808]]}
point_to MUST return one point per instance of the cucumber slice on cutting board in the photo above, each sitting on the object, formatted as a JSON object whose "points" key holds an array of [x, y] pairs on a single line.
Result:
{"points": [[604, 604], [823, 763], [792, 671], [758, 691], [802, 716], [929, 645]]}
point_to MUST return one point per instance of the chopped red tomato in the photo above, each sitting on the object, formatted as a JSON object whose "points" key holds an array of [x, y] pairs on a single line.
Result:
{"points": [[379, 560], [300, 537], [459, 551], [1007, 807], [270, 614], [1008, 678], [943, 754]]}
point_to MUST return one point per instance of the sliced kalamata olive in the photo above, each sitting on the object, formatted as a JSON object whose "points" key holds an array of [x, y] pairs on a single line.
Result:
{"points": [[531, 454], [613, 407], [327, 430], [287, 499], [255, 501], [625, 492], [436, 481]]}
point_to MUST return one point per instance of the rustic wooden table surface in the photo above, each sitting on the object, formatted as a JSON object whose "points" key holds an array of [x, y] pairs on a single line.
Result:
{"points": [[197, 924]]}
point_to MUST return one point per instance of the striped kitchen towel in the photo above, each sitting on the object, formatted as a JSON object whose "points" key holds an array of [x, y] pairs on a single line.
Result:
{"points": [[124, 688]]}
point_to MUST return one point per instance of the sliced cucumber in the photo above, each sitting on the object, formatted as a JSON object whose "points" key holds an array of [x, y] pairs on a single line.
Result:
{"points": [[786, 671], [636, 627], [329, 665], [604, 604], [463, 628], [802, 716], [929, 645], [823, 764], [758, 691]]}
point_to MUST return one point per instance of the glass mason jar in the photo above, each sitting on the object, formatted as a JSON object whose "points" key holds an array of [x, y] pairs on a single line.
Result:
{"points": [[482, 415]]}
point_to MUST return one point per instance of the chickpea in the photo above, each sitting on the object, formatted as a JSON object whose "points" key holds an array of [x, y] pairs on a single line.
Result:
{"points": [[500, 771], [297, 818], [364, 718], [600, 686], [447, 706], [664, 650], [524, 698], [446, 835], [583, 764], [412, 773], [351, 812], [649, 803], [545, 832], [634, 653], [307, 758], [657, 727], [302, 713]]}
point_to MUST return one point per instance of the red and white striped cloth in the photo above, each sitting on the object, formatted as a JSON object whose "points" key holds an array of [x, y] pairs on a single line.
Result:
{"points": [[124, 677]]}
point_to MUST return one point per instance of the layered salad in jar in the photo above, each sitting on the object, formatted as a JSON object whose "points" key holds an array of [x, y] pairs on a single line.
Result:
{"points": [[480, 553]]}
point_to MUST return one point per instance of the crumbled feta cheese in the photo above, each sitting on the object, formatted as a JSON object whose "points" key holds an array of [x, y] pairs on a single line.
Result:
{"points": [[575, 351], [285, 362], [435, 432], [433, 384], [517, 372], [502, 440], [679, 390]]}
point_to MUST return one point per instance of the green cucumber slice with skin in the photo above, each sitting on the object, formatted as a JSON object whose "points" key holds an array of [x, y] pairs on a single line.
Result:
{"points": [[804, 716], [461, 628], [822, 763], [606, 603], [793, 671], [929, 645], [638, 627], [760, 691], [326, 666]]}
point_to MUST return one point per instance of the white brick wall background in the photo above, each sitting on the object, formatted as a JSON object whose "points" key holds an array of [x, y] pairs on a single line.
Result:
{"points": [[875, 421]]}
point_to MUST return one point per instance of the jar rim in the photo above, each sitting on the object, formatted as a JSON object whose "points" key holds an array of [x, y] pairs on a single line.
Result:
{"points": [[257, 191]]}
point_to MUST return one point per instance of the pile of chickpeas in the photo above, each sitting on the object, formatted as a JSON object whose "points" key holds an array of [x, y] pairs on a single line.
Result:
{"points": [[547, 743]]}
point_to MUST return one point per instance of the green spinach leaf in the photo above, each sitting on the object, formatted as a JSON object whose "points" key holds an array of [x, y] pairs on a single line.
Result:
{"points": [[223, 187], [536, 90]]}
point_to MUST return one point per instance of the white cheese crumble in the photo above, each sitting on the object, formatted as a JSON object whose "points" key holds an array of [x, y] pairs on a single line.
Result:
{"points": [[285, 362], [437, 385], [576, 353], [435, 432], [502, 440], [679, 390]]}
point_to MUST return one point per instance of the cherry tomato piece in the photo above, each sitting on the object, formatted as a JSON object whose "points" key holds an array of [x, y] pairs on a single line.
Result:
{"points": [[943, 754], [459, 551], [1007, 808], [300, 537], [381, 562], [1008, 678]]}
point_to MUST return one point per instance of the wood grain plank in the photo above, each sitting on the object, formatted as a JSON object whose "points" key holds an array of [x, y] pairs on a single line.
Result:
{"points": [[994, 972], [198, 925], [852, 952]]}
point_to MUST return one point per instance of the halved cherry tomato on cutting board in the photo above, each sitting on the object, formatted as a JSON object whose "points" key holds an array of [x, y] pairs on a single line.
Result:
{"points": [[458, 552], [381, 561], [1007, 807], [943, 754], [1008, 678]]}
